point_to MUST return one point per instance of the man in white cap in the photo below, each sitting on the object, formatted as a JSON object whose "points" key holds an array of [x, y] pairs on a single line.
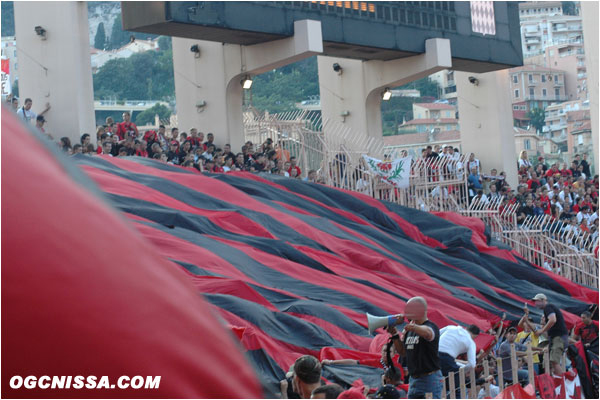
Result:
{"points": [[557, 331]]}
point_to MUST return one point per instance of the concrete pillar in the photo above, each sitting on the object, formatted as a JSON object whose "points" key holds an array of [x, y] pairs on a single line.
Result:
{"points": [[56, 70], [208, 87], [589, 12], [354, 96], [486, 124]]}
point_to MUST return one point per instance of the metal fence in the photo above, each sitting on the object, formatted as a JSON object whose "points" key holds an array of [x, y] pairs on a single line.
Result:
{"points": [[436, 184]]}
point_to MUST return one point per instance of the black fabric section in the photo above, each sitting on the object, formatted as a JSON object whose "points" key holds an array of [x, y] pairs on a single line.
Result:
{"points": [[326, 195], [200, 200], [345, 375], [195, 269], [171, 218], [280, 326], [268, 276], [322, 311], [266, 368], [445, 232]]}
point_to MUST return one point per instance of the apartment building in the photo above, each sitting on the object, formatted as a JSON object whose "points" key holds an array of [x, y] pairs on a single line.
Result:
{"points": [[447, 85], [431, 117], [541, 31], [533, 86], [557, 121]]}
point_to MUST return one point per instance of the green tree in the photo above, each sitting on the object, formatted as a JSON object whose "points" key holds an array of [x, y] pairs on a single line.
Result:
{"points": [[147, 116], [147, 75], [118, 37], [537, 118], [164, 43], [100, 38]]}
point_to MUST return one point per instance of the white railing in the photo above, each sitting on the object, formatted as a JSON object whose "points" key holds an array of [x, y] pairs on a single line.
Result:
{"points": [[335, 152]]}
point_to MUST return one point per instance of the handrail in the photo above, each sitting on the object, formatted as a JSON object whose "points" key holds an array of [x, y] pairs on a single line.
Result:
{"points": [[436, 184]]}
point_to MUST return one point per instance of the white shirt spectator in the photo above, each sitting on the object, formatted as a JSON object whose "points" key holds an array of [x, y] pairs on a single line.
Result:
{"points": [[562, 195], [26, 115], [524, 163], [585, 216], [456, 340]]}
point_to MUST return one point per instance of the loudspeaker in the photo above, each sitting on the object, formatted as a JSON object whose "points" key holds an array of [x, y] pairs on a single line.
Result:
{"points": [[375, 322]]}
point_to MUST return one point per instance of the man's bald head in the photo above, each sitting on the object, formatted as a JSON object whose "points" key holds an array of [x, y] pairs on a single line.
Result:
{"points": [[416, 309]]}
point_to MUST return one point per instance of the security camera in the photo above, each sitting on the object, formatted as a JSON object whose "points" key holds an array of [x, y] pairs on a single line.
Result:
{"points": [[196, 50], [337, 68], [40, 31], [474, 80]]}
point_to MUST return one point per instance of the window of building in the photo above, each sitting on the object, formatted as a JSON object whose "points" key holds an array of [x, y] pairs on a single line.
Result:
{"points": [[531, 91], [551, 53], [555, 77], [527, 144], [544, 92], [515, 107], [516, 92], [530, 78], [515, 79], [543, 78], [579, 139], [557, 92]]}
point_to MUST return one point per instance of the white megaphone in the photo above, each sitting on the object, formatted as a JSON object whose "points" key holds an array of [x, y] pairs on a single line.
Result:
{"points": [[377, 322]]}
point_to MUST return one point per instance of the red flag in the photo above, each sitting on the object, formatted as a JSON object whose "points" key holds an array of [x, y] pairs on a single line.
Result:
{"points": [[545, 384], [6, 66], [514, 392]]}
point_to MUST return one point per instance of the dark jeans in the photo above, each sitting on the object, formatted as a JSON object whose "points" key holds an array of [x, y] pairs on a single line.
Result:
{"points": [[448, 364]]}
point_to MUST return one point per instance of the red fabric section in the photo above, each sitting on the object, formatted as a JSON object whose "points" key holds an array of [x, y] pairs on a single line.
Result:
{"points": [[228, 220], [78, 301], [365, 358], [545, 385], [352, 340], [484, 341], [514, 392], [407, 227]]}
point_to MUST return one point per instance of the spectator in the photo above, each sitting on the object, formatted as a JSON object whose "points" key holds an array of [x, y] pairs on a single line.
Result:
{"points": [[65, 144], [557, 331], [306, 376], [524, 160], [76, 149], [311, 177], [210, 138], [209, 153], [474, 181], [542, 163], [228, 166], [584, 163], [173, 153], [25, 112], [473, 163], [388, 392], [454, 341], [184, 150], [39, 123], [527, 335], [90, 149], [331, 391], [505, 353], [106, 148], [586, 330], [227, 151], [15, 104], [127, 128], [293, 161], [239, 162], [162, 137], [420, 346], [85, 139], [140, 148]]}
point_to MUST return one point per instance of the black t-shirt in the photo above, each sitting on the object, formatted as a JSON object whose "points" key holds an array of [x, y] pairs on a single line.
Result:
{"points": [[422, 355], [559, 328]]}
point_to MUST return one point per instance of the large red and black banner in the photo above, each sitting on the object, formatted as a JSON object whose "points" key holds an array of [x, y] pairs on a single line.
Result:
{"points": [[291, 267]]}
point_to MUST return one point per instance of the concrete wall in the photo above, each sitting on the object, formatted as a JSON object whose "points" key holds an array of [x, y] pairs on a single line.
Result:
{"points": [[56, 70], [485, 115], [589, 10]]}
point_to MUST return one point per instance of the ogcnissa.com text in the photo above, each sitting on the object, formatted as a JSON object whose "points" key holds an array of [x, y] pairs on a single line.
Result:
{"points": [[84, 382]]}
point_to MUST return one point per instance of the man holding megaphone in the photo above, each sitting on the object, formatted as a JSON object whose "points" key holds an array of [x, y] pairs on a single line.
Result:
{"points": [[419, 344]]}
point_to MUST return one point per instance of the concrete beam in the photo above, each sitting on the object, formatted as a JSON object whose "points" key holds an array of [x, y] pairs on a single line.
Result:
{"points": [[215, 78], [56, 70], [486, 124], [354, 96]]}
